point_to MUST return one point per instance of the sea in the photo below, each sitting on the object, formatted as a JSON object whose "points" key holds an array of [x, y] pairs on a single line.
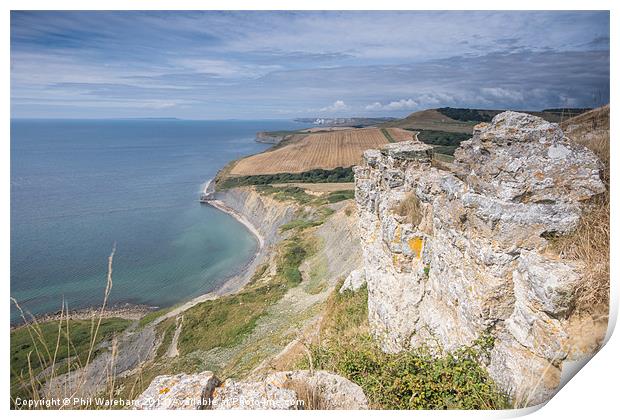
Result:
{"points": [[79, 188]]}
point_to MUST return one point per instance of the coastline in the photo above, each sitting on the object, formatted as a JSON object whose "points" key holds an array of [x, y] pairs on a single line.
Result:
{"points": [[240, 218], [231, 284], [234, 282], [122, 310]]}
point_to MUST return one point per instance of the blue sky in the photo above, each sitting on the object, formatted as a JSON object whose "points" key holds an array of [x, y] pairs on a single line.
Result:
{"points": [[213, 65]]}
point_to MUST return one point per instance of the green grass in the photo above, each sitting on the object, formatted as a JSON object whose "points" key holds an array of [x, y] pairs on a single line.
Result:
{"points": [[289, 193], [444, 142], [316, 218], [290, 260], [225, 321], [165, 330], [152, 316], [337, 196], [409, 380], [313, 176], [387, 135], [300, 224], [41, 347]]}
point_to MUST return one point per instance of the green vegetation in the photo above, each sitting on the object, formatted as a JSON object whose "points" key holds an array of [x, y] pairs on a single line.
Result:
{"points": [[166, 331], [486, 115], [313, 176], [444, 142], [224, 322], [152, 316], [410, 380], [40, 342], [387, 135], [286, 193], [299, 195], [467, 114], [300, 224], [337, 196]]}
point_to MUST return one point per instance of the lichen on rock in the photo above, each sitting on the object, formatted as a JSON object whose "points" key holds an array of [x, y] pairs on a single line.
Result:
{"points": [[290, 390], [473, 263]]}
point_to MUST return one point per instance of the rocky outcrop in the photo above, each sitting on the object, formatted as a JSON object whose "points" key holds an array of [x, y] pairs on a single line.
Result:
{"points": [[453, 255], [174, 392], [270, 138], [354, 281], [323, 390], [281, 390]]}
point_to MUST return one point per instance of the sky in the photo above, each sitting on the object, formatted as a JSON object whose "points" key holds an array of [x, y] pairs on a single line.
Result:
{"points": [[282, 65]]}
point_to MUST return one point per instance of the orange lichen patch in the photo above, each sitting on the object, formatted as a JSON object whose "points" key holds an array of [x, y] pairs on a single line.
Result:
{"points": [[416, 244], [164, 390]]}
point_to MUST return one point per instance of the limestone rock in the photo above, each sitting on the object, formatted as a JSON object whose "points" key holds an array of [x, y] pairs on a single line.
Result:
{"points": [[327, 391], [182, 391], [471, 263], [354, 281], [233, 395], [280, 390]]}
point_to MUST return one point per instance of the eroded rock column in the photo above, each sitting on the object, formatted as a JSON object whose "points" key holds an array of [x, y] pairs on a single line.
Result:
{"points": [[450, 256]]}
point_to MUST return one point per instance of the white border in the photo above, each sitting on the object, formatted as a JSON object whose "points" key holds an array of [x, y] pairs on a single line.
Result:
{"points": [[594, 391]]}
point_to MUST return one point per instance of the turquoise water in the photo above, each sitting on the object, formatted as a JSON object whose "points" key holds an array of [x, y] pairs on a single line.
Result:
{"points": [[79, 187]]}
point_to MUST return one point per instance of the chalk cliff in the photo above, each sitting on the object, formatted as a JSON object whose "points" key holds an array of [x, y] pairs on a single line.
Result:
{"points": [[454, 252]]}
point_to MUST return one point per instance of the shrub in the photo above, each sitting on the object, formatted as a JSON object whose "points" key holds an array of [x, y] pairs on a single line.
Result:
{"points": [[416, 379], [313, 176]]}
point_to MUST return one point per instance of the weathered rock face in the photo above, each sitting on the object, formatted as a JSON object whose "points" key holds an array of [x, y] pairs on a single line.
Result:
{"points": [[471, 262], [280, 390], [354, 281], [233, 395], [173, 392], [325, 390]]}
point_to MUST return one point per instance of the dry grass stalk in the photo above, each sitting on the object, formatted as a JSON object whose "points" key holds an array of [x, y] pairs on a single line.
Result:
{"points": [[39, 384], [411, 209], [590, 241]]}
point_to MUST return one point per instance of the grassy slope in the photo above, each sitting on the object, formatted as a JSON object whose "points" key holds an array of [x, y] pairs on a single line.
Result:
{"points": [[432, 119], [590, 242], [440, 120], [233, 334], [39, 343]]}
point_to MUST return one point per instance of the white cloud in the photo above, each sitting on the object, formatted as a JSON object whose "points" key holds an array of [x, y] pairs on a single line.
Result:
{"points": [[374, 106], [337, 106], [402, 104]]}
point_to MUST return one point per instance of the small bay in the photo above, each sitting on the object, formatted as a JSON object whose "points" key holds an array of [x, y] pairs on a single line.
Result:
{"points": [[80, 186]]}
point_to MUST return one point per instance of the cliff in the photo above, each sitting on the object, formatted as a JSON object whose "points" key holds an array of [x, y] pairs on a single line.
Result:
{"points": [[262, 214], [457, 252]]}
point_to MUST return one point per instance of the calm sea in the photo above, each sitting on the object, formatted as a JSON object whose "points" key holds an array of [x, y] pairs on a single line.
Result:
{"points": [[78, 187]]}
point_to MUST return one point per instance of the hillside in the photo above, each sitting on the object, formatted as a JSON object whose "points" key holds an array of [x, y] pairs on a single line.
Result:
{"points": [[462, 120], [432, 119]]}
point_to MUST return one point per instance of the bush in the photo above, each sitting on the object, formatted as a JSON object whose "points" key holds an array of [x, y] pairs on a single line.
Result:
{"points": [[337, 196], [467, 114], [416, 379], [444, 142], [313, 176]]}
